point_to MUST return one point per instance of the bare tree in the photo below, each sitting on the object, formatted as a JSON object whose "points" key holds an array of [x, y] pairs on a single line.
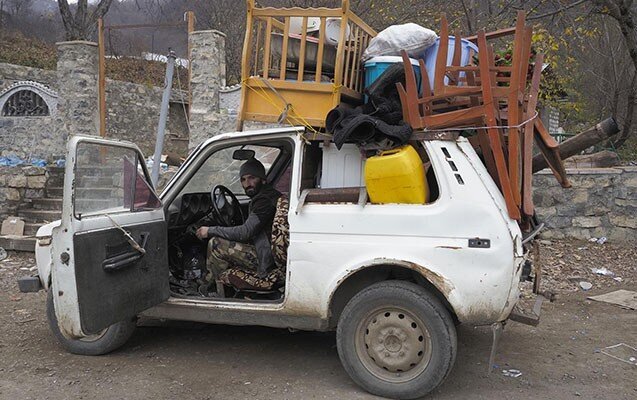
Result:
{"points": [[82, 25], [624, 13]]}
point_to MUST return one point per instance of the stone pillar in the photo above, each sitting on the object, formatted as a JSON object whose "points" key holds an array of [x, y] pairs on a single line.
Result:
{"points": [[208, 75], [77, 75]]}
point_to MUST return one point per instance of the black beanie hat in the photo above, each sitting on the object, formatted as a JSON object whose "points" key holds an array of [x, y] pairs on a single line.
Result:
{"points": [[252, 167]]}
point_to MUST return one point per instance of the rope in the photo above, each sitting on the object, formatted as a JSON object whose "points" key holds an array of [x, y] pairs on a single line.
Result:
{"points": [[518, 126], [288, 113]]}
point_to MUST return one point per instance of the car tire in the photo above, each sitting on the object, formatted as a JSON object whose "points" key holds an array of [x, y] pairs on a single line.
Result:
{"points": [[396, 340], [104, 342]]}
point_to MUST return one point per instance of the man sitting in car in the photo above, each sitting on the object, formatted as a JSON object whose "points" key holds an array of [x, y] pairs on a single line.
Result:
{"points": [[246, 246]]}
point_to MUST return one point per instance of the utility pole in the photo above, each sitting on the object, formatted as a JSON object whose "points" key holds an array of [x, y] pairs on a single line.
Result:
{"points": [[163, 116]]}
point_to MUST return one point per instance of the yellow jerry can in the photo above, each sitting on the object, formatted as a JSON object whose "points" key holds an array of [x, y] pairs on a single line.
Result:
{"points": [[396, 176]]}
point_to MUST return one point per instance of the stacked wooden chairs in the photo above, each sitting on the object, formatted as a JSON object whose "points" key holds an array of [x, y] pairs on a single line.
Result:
{"points": [[498, 102]]}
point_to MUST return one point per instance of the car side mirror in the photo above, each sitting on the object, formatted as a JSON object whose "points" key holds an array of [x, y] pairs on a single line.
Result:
{"points": [[243, 154]]}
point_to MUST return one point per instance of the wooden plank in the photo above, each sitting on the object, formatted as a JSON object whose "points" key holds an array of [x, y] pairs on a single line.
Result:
{"points": [[441, 57], [259, 27], [360, 85], [550, 150], [494, 135], [493, 35], [352, 94], [321, 48], [266, 48], [483, 139], [292, 85], [302, 50], [348, 59], [457, 118], [513, 107], [527, 145], [249, 116], [340, 53], [425, 85], [358, 21], [424, 135], [457, 56], [337, 195], [410, 78], [284, 48], [276, 24], [355, 59], [190, 19], [409, 108], [245, 63]]}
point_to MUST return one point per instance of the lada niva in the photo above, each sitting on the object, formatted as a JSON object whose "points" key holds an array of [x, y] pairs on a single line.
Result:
{"points": [[393, 280]]}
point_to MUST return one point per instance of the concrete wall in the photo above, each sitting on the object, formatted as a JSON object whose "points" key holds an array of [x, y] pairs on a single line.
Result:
{"points": [[602, 202]]}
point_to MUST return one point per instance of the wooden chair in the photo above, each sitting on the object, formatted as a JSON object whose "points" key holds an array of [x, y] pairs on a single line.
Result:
{"points": [[488, 96], [418, 112]]}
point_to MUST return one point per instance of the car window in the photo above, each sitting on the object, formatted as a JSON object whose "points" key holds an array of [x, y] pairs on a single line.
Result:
{"points": [[109, 178], [221, 169]]}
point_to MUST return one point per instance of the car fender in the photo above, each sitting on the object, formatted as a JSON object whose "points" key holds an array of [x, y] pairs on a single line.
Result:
{"points": [[43, 252], [438, 280]]}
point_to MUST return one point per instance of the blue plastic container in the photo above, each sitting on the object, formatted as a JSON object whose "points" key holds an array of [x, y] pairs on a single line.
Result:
{"points": [[374, 68], [432, 52]]}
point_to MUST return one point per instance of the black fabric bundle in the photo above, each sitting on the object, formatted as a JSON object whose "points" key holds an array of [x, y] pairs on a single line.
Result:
{"points": [[380, 118]]}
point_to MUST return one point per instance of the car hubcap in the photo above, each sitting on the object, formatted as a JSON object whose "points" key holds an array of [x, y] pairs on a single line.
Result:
{"points": [[393, 344]]}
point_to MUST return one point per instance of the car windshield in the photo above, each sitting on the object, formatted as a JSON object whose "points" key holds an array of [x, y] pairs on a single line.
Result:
{"points": [[221, 169]]}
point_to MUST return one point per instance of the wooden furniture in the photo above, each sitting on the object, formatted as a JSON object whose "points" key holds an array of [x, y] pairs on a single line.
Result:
{"points": [[300, 90], [496, 101]]}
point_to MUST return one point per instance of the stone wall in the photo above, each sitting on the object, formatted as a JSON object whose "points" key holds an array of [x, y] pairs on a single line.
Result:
{"points": [[602, 202], [18, 185], [10, 74], [133, 115], [132, 109], [208, 75], [30, 137]]}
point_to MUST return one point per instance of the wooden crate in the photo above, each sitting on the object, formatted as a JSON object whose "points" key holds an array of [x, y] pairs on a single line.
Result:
{"points": [[299, 88]]}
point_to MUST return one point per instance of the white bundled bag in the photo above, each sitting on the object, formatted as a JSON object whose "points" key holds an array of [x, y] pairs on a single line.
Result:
{"points": [[410, 37]]}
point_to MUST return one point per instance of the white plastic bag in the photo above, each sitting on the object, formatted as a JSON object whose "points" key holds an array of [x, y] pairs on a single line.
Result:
{"points": [[410, 37]]}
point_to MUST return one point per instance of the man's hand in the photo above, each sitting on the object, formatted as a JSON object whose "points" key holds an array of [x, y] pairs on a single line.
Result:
{"points": [[202, 232]]}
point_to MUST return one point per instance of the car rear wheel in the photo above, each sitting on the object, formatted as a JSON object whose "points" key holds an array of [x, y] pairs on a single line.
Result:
{"points": [[396, 340], [100, 343]]}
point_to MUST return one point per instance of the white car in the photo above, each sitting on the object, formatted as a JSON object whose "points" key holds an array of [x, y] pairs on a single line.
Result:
{"points": [[393, 280]]}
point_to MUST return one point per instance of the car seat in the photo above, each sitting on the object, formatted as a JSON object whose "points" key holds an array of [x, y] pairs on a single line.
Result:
{"points": [[247, 282]]}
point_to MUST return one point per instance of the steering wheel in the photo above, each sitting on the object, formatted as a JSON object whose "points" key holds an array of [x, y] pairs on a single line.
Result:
{"points": [[226, 206]]}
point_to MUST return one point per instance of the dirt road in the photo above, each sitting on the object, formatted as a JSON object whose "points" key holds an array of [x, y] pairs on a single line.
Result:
{"points": [[560, 359]]}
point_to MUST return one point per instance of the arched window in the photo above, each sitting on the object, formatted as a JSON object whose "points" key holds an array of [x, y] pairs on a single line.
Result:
{"points": [[25, 103]]}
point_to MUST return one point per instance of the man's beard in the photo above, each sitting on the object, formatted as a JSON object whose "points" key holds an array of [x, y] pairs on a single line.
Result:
{"points": [[254, 190]]}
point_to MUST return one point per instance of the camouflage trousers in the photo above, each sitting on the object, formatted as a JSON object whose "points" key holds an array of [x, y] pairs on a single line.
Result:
{"points": [[224, 254]]}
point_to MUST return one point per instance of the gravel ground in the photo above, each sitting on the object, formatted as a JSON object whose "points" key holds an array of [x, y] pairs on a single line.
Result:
{"points": [[561, 358]]}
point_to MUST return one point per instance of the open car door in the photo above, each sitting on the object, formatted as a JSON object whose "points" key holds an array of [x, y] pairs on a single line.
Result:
{"points": [[110, 251]]}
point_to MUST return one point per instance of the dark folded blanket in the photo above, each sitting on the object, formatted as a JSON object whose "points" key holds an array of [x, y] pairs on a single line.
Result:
{"points": [[380, 118]]}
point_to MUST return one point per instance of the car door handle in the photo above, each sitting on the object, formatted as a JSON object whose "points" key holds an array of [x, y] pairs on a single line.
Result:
{"points": [[122, 261]]}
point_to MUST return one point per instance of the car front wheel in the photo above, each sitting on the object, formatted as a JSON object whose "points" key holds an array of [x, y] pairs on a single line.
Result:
{"points": [[100, 343], [395, 339]]}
